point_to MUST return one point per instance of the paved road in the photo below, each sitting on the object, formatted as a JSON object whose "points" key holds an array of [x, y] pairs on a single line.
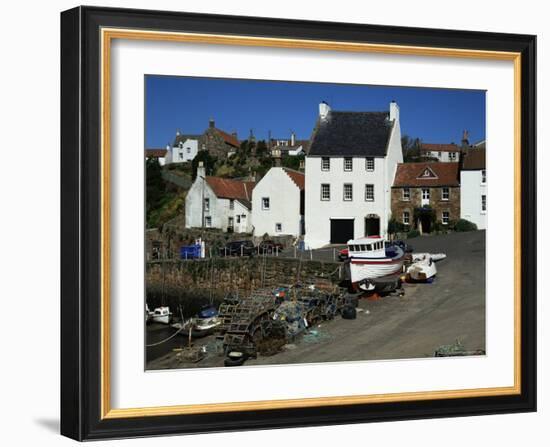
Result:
{"points": [[412, 326]]}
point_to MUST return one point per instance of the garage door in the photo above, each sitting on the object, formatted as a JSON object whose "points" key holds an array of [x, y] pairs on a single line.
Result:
{"points": [[341, 230]]}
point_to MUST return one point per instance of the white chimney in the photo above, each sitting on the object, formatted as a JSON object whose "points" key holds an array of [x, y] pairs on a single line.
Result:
{"points": [[292, 138], [394, 111], [178, 133], [201, 172], [324, 109]]}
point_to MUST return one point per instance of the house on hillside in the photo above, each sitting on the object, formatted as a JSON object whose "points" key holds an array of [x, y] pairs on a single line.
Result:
{"points": [[159, 154], [278, 203], [425, 193], [446, 153], [289, 147], [216, 202], [184, 148], [473, 187], [349, 171], [217, 142]]}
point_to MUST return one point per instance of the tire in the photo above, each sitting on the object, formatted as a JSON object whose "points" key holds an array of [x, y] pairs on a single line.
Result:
{"points": [[234, 361], [349, 313]]}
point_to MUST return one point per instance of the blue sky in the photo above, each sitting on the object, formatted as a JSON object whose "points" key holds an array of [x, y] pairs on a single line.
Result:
{"points": [[172, 103]]}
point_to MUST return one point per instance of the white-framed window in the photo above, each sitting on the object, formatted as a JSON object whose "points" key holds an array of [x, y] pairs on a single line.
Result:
{"points": [[325, 164], [425, 193], [439, 154], [483, 176], [445, 218], [452, 156], [369, 164], [348, 163], [444, 193], [188, 150], [348, 192], [181, 156], [231, 204], [206, 204], [325, 191], [230, 222], [207, 221], [406, 218], [278, 227], [369, 193], [483, 203], [238, 218], [407, 194], [265, 203]]}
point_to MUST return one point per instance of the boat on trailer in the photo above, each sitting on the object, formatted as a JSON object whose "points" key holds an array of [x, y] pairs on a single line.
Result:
{"points": [[373, 257]]}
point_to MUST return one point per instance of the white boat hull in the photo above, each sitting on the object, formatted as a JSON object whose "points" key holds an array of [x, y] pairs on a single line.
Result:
{"points": [[163, 319], [362, 270]]}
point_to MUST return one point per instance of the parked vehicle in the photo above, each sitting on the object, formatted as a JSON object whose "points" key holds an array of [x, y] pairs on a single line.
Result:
{"points": [[238, 248], [343, 254], [270, 247]]}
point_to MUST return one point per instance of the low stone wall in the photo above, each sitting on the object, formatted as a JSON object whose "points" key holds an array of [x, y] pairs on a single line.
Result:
{"points": [[192, 284]]}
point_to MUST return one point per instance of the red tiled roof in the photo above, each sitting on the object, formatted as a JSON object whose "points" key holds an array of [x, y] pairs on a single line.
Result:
{"points": [[228, 138], [231, 189], [157, 153], [439, 147], [297, 177], [474, 159], [441, 174]]}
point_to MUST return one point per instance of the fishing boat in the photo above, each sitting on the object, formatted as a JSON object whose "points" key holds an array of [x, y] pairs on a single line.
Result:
{"points": [[204, 323], [161, 315], [373, 257]]}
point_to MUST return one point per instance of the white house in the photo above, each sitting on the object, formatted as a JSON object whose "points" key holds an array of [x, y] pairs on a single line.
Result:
{"points": [[159, 154], [349, 171], [184, 148], [278, 203], [216, 202], [473, 188], [446, 153]]}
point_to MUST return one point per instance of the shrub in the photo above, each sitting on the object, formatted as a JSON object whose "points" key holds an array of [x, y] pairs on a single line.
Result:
{"points": [[394, 226], [465, 225], [413, 233]]}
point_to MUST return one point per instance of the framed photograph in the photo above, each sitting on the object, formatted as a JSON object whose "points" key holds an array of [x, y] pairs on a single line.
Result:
{"points": [[275, 223]]}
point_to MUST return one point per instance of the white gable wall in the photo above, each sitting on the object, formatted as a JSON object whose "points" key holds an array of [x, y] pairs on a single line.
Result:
{"points": [[193, 205], [471, 190], [284, 198], [393, 157], [184, 152]]}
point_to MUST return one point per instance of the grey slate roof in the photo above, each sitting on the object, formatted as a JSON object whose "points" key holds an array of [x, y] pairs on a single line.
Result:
{"points": [[360, 134]]}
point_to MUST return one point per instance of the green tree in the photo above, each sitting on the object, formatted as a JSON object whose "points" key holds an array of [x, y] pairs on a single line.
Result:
{"points": [[155, 186], [208, 161]]}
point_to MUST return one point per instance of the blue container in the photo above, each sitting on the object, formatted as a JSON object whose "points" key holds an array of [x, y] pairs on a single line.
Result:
{"points": [[190, 251]]}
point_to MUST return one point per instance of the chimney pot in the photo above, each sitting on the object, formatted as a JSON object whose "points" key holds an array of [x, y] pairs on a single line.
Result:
{"points": [[394, 111], [324, 110]]}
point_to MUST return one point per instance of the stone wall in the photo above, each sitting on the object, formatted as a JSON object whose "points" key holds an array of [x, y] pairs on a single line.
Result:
{"points": [[398, 206], [193, 284]]}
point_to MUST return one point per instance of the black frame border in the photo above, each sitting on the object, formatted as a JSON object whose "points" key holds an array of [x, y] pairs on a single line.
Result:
{"points": [[81, 223]]}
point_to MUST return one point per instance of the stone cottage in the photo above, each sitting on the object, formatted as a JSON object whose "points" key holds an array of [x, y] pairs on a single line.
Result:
{"points": [[425, 193]]}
